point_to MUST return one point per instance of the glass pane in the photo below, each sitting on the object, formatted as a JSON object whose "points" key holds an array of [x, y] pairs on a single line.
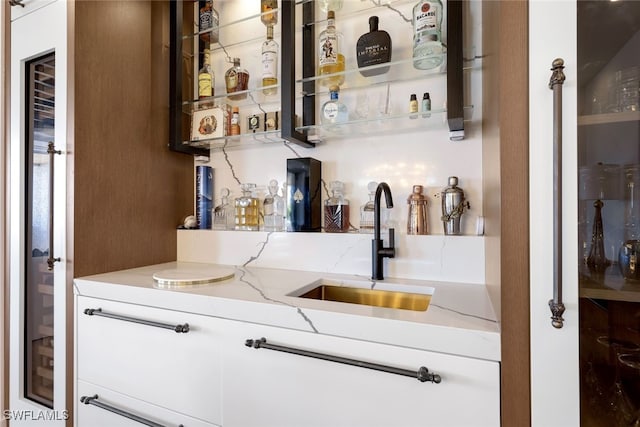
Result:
{"points": [[608, 211], [39, 280]]}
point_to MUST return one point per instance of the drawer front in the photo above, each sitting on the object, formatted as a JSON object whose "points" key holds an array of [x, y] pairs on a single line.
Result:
{"points": [[100, 407], [178, 371], [285, 388]]}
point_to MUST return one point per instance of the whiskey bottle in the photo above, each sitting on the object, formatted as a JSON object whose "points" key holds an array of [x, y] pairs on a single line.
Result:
{"points": [[336, 210], [237, 79], [269, 16], [427, 34], [206, 79], [333, 111], [269, 63], [247, 209], [209, 22], [330, 60], [373, 48]]}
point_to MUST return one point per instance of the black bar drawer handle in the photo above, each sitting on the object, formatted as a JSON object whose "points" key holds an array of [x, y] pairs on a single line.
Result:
{"points": [[93, 400], [98, 312], [422, 374]]}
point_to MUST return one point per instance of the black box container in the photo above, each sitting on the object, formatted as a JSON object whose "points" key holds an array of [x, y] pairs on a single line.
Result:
{"points": [[304, 194]]}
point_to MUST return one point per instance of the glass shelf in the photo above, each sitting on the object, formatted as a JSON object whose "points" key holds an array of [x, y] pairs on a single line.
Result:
{"points": [[223, 25], [255, 97], [318, 133], [599, 119], [355, 8], [610, 285], [382, 125]]}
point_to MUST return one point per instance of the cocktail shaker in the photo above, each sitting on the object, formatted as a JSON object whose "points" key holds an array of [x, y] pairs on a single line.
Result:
{"points": [[453, 205], [417, 218]]}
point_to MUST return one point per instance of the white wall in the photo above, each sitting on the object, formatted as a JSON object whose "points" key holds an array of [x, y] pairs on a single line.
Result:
{"points": [[396, 155]]}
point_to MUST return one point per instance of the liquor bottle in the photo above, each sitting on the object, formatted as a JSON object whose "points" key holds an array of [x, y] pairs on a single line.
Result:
{"points": [[427, 34], [330, 60], [269, 15], [223, 213], [235, 121], [367, 210], [270, 63], [237, 79], [373, 48], [209, 22], [334, 111], [327, 5], [426, 105], [413, 106], [336, 210], [247, 209], [273, 207], [206, 79]]}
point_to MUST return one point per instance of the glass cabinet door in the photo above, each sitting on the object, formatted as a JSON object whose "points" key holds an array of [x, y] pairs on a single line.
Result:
{"points": [[38, 310], [608, 164]]}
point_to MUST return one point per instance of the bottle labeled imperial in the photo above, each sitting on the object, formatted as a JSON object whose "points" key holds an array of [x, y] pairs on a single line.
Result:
{"points": [[373, 48]]}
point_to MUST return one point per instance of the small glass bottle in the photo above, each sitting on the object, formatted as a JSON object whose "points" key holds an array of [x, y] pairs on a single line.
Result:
{"points": [[223, 213], [273, 207], [247, 209], [426, 105], [237, 79], [209, 23], [330, 57], [427, 34], [333, 111], [268, 9], [367, 210], [206, 79], [413, 106], [234, 129], [270, 63], [336, 210]]}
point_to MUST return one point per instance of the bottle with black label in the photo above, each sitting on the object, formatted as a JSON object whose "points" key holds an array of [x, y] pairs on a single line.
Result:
{"points": [[373, 48]]}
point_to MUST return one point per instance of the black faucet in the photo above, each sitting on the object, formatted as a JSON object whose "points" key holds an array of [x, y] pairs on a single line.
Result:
{"points": [[378, 251]]}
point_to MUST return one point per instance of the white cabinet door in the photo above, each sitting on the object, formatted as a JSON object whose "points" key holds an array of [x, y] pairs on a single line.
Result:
{"points": [[264, 387], [178, 371], [101, 407], [38, 297]]}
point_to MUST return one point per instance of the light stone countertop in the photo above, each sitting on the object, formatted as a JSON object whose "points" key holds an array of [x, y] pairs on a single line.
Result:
{"points": [[460, 319]]}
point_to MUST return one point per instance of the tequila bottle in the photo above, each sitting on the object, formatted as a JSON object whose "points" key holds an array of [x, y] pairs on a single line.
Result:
{"points": [[334, 111], [331, 59], [270, 63], [273, 207], [427, 34]]}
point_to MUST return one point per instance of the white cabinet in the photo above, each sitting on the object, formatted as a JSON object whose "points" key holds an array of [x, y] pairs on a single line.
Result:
{"points": [[265, 387], [136, 351]]}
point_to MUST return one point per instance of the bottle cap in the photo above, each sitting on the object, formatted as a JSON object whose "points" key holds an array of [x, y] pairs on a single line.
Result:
{"points": [[453, 181], [235, 110], [334, 88], [331, 14], [426, 95], [413, 97], [373, 23]]}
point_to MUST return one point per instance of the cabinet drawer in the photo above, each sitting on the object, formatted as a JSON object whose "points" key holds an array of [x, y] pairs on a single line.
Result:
{"points": [[106, 408], [178, 371], [284, 388]]}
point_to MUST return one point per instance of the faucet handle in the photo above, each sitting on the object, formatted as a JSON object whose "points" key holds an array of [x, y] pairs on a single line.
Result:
{"points": [[392, 242]]}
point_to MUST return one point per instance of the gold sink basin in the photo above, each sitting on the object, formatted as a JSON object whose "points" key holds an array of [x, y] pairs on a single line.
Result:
{"points": [[404, 297]]}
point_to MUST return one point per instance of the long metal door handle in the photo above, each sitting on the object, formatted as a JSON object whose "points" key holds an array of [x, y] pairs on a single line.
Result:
{"points": [[183, 328], [422, 374], [555, 84], [51, 150], [93, 400]]}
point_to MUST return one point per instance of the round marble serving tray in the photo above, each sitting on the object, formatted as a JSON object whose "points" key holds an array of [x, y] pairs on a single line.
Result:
{"points": [[180, 277]]}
